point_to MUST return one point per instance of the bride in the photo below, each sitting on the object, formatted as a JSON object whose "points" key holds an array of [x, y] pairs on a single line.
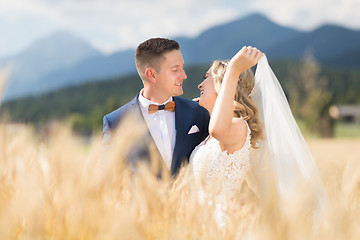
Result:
{"points": [[251, 128]]}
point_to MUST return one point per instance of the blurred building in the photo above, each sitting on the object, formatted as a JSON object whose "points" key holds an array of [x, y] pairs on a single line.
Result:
{"points": [[350, 113]]}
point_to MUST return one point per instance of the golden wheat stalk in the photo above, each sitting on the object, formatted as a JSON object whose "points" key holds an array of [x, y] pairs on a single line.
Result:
{"points": [[55, 187]]}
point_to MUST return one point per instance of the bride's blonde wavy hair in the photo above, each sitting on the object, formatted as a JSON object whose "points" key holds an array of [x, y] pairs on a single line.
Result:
{"points": [[244, 106]]}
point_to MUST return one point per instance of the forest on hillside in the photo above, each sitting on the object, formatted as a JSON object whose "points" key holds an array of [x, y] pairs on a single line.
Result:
{"points": [[310, 88]]}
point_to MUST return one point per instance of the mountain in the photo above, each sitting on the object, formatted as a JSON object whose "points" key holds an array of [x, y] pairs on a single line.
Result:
{"points": [[63, 59], [349, 58], [60, 50], [325, 44], [223, 41], [329, 44], [93, 69], [43, 67]]}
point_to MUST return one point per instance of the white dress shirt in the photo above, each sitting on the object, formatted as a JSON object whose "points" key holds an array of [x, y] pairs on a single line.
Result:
{"points": [[161, 126]]}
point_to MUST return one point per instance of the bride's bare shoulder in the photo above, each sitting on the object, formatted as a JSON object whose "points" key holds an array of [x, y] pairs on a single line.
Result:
{"points": [[239, 130], [240, 123]]}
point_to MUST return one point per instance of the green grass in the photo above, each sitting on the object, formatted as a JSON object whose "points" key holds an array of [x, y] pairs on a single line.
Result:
{"points": [[347, 130], [342, 130], [305, 131]]}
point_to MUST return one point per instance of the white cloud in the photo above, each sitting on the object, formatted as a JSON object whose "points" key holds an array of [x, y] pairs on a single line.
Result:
{"points": [[111, 24], [309, 14], [130, 22], [118, 24]]}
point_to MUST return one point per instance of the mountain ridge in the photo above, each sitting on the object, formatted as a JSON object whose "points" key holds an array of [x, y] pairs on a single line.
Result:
{"points": [[59, 50], [330, 44]]}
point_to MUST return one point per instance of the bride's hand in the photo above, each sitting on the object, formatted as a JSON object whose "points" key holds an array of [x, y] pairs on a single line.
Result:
{"points": [[246, 58]]}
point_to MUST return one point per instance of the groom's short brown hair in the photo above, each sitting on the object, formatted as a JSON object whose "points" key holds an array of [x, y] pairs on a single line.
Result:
{"points": [[151, 53]]}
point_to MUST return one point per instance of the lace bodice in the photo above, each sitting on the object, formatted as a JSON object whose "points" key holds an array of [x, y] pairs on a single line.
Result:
{"points": [[209, 161], [213, 165]]}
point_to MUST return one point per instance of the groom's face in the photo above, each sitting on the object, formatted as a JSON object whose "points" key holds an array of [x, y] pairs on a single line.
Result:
{"points": [[169, 79]]}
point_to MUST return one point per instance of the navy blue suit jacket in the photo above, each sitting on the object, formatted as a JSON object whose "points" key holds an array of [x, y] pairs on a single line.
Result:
{"points": [[187, 114]]}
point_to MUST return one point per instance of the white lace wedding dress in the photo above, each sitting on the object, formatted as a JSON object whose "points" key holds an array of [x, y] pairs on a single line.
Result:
{"points": [[213, 166], [283, 159]]}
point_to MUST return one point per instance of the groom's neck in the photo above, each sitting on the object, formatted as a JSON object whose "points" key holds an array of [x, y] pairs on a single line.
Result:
{"points": [[154, 96]]}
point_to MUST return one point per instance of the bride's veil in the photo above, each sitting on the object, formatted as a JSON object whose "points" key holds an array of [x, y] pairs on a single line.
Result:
{"points": [[283, 158]]}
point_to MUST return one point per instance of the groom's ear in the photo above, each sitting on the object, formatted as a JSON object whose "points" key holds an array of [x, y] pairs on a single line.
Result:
{"points": [[150, 74]]}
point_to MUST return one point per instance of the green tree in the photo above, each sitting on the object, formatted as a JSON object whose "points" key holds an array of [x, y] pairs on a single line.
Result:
{"points": [[310, 97]]}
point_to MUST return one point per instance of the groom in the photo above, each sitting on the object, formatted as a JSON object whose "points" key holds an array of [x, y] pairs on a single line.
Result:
{"points": [[176, 125]]}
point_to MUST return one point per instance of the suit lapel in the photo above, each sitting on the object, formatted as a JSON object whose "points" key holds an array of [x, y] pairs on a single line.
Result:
{"points": [[147, 141], [180, 127]]}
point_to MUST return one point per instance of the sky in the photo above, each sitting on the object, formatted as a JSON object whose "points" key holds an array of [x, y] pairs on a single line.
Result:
{"points": [[111, 25]]}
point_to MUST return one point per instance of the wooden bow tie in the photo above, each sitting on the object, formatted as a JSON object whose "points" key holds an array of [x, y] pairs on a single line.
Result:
{"points": [[170, 106]]}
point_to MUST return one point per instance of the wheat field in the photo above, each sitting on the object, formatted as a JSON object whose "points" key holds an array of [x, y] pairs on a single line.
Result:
{"points": [[55, 186]]}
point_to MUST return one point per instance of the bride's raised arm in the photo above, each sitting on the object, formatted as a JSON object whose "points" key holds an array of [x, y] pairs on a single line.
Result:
{"points": [[223, 125]]}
